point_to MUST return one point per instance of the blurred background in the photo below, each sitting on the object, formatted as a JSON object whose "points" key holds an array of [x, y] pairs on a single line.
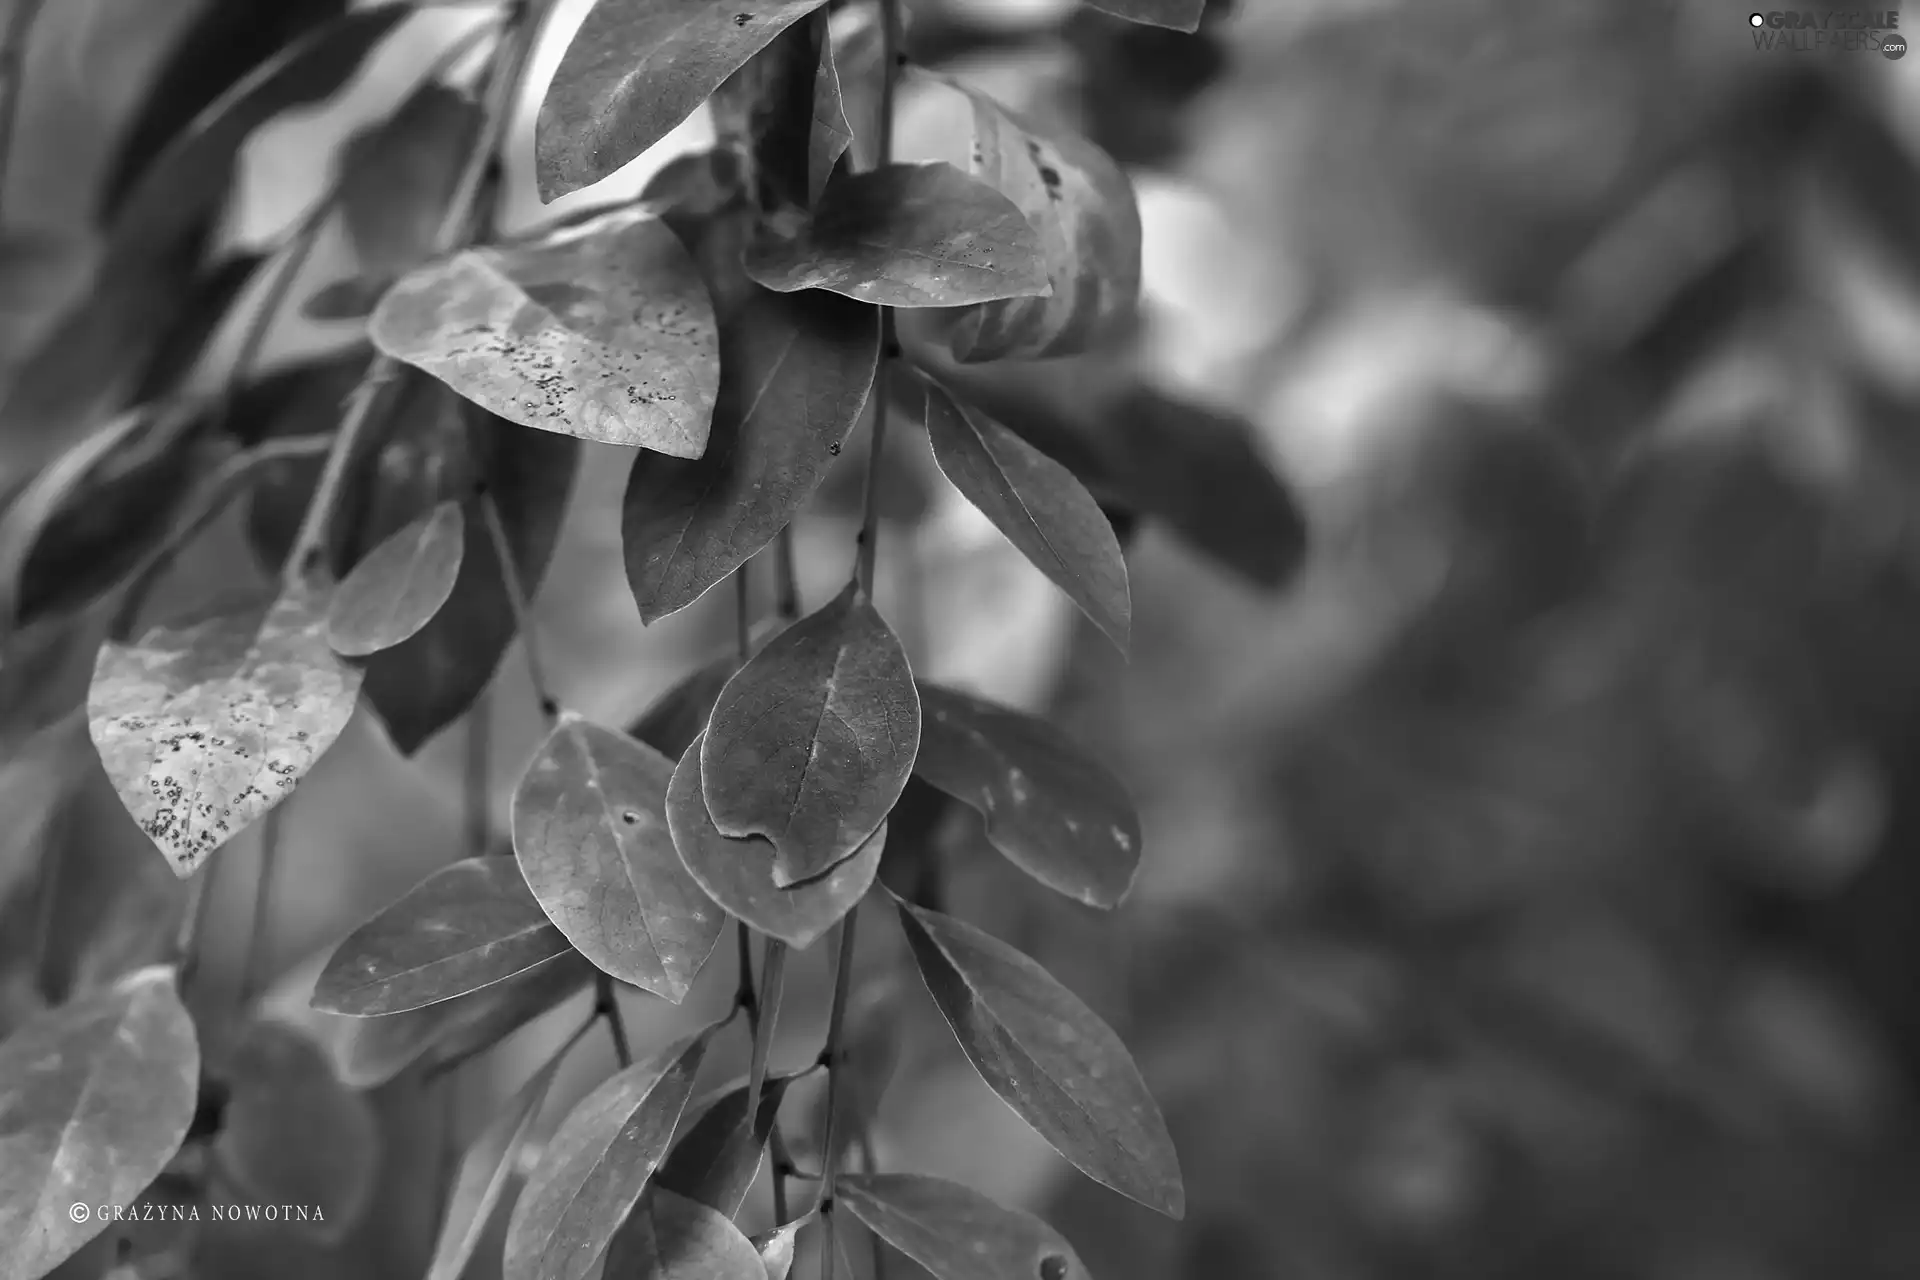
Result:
{"points": [[1532, 880]]}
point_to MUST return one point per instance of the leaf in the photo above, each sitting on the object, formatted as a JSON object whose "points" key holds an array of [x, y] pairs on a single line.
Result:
{"points": [[590, 833], [717, 1159], [635, 70], [777, 1247], [445, 448], [680, 715], [96, 1096], [189, 178], [397, 177], [1176, 15], [602, 331], [907, 235], [293, 1134], [399, 586], [955, 1232], [795, 374], [464, 927], [1037, 504], [597, 1164], [224, 42], [670, 1237], [91, 511], [375, 1050], [1058, 814], [483, 1175], [738, 874], [798, 128], [1049, 1057], [812, 742], [1082, 206], [205, 726]]}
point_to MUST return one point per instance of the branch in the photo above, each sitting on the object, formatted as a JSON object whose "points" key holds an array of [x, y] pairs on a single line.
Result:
{"points": [[13, 57], [830, 1057], [606, 1006], [521, 606]]}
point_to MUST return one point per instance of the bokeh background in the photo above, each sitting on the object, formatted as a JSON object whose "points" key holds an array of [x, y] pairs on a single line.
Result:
{"points": [[1531, 886]]}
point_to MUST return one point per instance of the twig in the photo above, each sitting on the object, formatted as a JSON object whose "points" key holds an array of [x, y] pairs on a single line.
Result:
{"points": [[477, 780], [742, 615], [270, 835], [870, 514], [13, 60], [186, 951], [606, 1005], [766, 1016], [522, 607], [830, 1059], [789, 602]]}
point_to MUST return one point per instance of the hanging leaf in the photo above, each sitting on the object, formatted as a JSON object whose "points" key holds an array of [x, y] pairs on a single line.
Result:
{"points": [[669, 1237], [223, 43], [91, 512], [464, 927], [717, 1159], [375, 1050], [597, 1165], [777, 1247], [811, 743], [397, 178], [444, 448], [795, 373], [1176, 15], [293, 1134], [1058, 814], [955, 1232], [635, 70], [590, 833], [680, 715], [1199, 470], [907, 235], [1037, 504], [798, 130], [1049, 1058], [96, 1096], [205, 726], [1082, 206], [187, 180], [483, 1175], [602, 331], [399, 586], [738, 874]]}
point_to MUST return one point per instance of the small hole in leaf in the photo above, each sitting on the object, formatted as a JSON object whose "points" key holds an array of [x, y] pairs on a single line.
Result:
{"points": [[1053, 1267], [630, 817], [834, 449]]}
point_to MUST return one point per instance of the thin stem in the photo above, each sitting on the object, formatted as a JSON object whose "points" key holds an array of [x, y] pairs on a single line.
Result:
{"points": [[477, 777], [744, 996], [789, 602], [742, 615], [516, 592], [270, 835], [870, 515], [447, 1166], [186, 951], [830, 1059], [766, 1015], [606, 1006], [13, 62]]}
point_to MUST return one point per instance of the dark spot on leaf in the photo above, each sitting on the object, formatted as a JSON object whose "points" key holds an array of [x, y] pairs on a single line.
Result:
{"points": [[742, 19], [1050, 176], [834, 448], [1053, 1267], [630, 817]]}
